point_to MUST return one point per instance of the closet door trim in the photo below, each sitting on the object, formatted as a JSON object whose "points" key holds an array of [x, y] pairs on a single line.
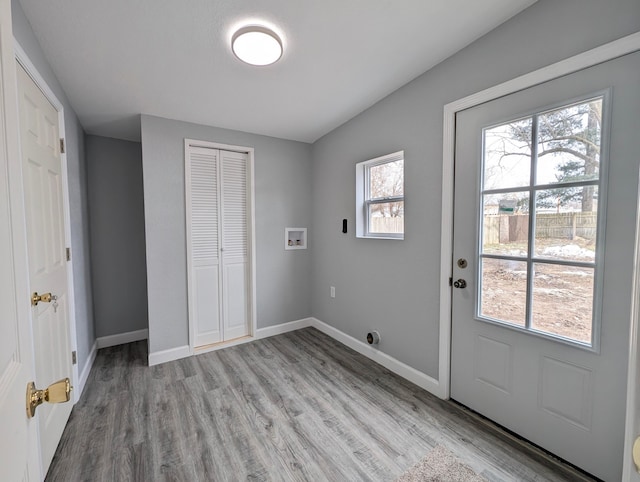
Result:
{"points": [[251, 244]]}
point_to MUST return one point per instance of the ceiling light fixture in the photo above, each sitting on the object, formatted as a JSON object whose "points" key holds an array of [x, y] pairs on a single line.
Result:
{"points": [[256, 45]]}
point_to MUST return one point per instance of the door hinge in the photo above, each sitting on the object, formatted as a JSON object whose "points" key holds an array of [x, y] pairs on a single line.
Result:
{"points": [[450, 281], [68, 254], [61, 146], [74, 358]]}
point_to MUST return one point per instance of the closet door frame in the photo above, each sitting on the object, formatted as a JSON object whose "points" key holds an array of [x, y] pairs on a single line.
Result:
{"points": [[251, 248]]}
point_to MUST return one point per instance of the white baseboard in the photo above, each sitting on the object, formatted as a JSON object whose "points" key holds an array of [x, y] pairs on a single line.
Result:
{"points": [[84, 375], [419, 378], [171, 354], [260, 333], [405, 371], [184, 351], [122, 338], [283, 328]]}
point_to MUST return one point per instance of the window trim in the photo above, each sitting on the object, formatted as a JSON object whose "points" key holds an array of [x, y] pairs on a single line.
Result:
{"points": [[364, 202]]}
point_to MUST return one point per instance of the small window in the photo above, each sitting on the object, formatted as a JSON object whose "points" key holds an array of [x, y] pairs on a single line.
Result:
{"points": [[380, 197]]}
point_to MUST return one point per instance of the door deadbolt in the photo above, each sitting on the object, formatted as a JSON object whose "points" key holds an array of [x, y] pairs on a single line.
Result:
{"points": [[462, 263], [460, 283], [44, 298]]}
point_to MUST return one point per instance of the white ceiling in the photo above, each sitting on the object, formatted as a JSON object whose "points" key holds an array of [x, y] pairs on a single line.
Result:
{"points": [[116, 59]]}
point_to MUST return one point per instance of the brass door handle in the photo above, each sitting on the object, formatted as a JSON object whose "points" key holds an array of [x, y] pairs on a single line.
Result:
{"points": [[58, 392], [45, 298], [636, 454]]}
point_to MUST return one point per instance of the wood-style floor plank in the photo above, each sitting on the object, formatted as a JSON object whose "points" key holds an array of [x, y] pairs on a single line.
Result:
{"points": [[294, 407]]}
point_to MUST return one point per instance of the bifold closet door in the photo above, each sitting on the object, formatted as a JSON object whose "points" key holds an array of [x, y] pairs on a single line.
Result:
{"points": [[234, 244], [203, 244], [216, 188]]}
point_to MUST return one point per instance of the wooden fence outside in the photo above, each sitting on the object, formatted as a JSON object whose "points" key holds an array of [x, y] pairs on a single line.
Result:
{"points": [[499, 229], [386, 225]]}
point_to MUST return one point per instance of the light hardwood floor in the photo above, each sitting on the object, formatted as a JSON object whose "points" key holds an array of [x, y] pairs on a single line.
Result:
{"points": [[298, 406]]}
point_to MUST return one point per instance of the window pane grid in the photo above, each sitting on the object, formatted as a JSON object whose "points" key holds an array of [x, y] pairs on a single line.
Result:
{"points": [[534, 259], [509, 190], [539, 226], [385, 200]]}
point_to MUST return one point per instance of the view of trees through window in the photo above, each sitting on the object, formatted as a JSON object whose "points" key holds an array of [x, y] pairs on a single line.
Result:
{"points": [[386, 197], [542, 173]]}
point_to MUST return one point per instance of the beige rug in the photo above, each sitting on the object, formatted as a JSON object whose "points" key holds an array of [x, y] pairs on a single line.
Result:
{"points": [[440, 465]]}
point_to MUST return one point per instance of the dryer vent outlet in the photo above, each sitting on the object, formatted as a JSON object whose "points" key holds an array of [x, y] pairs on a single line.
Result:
{"points": [[373, 338]]}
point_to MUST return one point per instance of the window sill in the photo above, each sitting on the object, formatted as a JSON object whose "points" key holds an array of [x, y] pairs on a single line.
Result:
{"points": [[371, 236]]}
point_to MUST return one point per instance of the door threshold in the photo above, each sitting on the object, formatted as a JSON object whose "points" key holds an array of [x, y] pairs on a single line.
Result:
{"points": [[198, 350], [561, 466]]}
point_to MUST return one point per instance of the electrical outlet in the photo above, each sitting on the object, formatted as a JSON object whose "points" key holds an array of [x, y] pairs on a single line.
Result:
{"points": [[333, 291]]}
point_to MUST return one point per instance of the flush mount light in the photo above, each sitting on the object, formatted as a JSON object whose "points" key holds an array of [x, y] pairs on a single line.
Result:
{"points": [[256, 45]]}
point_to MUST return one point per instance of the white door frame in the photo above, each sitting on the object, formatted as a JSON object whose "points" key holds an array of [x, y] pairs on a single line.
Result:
{"points": [[22, 57], [251, 236], [632, 424], [609, 51]]}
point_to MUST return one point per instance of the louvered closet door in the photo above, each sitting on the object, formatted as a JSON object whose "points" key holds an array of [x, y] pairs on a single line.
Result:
{"points": [[203, 244], [234, 244], [217, 244]]}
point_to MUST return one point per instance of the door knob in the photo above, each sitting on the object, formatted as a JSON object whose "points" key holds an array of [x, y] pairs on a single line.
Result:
{"points": [[58, 392], [460, 283], [636, 454], [45, 298]]}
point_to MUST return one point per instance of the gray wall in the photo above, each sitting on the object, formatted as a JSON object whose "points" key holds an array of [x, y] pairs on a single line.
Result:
{"points": [[116, 209], [394, 286], [77, 175], [282, 186]]}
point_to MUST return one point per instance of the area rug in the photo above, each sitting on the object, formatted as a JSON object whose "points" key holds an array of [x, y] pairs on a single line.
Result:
{"points": [[440, 465]]}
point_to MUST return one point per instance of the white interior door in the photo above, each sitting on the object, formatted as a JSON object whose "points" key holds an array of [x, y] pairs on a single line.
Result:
{"points": [[19, 438], [540, 331], [217, 244], [42, 174], [19, 441]]}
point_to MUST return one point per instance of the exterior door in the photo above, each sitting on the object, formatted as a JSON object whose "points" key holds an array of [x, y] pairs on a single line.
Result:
{"points": [[19, 442], [545, 208], [42, 174], [217, 244]]}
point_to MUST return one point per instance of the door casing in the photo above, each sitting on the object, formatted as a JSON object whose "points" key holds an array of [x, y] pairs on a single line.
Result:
{"points": [[251, 237], [632, 425]]}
